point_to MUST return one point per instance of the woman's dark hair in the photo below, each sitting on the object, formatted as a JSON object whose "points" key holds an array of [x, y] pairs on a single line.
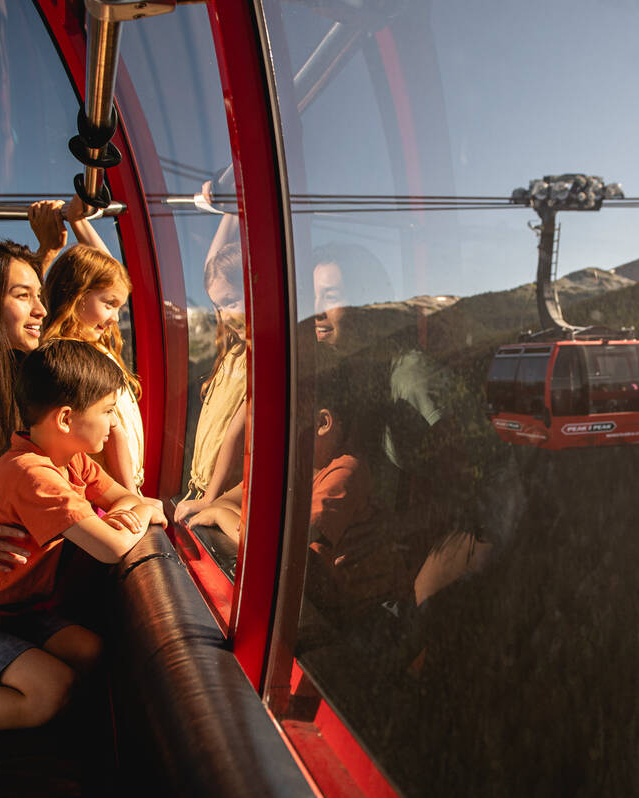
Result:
{"points": [[9, 417], [62, 372], [363, 275]]}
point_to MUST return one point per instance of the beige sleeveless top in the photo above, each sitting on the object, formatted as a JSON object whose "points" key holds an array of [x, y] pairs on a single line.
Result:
{"points": [[130, 421], [223, 399]]}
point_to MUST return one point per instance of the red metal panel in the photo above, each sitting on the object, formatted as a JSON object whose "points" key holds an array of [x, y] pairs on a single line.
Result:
{"points": [[63, 20], [333, 756], [254, 162], [211, 581]]}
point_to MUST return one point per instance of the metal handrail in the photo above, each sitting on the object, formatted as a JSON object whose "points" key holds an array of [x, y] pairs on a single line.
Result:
{"points": [[19, 211]]}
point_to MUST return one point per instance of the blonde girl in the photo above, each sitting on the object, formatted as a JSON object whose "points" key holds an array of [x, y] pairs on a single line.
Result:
{"points": [[219, 440], [85, 289]]}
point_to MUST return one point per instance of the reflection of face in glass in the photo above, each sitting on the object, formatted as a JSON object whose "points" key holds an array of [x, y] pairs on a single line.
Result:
{"points": [[228, 300], [330, 302]]}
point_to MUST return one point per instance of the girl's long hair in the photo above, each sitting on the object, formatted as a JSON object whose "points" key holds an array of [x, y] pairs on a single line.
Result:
{"points": [[227, 263], [9, 416], [76, 272]]}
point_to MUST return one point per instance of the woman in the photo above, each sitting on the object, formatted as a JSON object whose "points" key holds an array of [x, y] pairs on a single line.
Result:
{"points": [[21, 315]]}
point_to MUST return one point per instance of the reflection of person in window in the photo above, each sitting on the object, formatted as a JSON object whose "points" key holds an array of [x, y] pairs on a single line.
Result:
{"points": [[346, 529], [402, 409], [403, 383], [219, 439]]}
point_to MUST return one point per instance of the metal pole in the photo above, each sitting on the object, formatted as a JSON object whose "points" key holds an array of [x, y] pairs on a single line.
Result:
{"points": [[103, 51], [18, 211], [547, 300], [97, 120]]}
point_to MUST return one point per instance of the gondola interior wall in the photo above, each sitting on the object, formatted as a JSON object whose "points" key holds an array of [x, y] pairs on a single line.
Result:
{"points": [[384, 311]]}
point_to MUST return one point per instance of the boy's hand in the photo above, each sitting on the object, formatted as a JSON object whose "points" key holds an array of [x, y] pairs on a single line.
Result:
{"points": [[123, 519], [157, 516], [157, 503], [11, 554]]}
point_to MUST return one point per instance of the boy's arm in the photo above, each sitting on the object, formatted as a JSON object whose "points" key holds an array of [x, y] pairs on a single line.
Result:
{"points": [[117, 498], [105, 543]]}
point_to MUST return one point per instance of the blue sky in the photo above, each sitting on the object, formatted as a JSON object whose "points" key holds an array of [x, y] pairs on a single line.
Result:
{"points": [[505, 91]]}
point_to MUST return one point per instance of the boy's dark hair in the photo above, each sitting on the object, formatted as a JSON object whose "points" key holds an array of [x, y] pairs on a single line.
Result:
{"points": [[64, 372], [332, 386]]}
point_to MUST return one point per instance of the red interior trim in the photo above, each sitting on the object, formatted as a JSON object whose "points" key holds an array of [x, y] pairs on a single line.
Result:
{"points": [[214, 585], [251, 137], [338, 763]]}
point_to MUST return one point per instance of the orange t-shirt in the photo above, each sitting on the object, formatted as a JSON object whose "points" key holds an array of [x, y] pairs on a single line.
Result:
{"points": [[37, 495], [341, 498]]}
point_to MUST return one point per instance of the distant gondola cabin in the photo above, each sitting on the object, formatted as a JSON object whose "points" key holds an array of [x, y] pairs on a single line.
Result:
{"points": [[566, 393]]}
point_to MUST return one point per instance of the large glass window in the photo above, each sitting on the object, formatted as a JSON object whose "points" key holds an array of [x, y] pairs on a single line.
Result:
{"points": [[189, 183], [38, 116], [469, 604]]}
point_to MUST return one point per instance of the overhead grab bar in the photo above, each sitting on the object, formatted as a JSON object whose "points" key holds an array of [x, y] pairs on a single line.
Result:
{"points": [[97, 119], [19, 211]]}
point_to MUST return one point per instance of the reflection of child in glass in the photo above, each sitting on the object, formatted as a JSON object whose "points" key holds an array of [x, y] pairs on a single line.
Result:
{"points": [[341, 481], [219, 438], [66, 393], [341, 510]]}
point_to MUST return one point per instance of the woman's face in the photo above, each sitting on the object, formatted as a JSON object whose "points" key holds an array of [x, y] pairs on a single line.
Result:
{"points": [[330, 302], [22, 309], [98, 310]]}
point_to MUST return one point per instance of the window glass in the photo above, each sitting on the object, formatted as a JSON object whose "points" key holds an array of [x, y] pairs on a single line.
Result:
{"points": [[38, 116], [184, 162], [530, 384], [613, 374], [462, 593], [569, 393], [501, 383]]}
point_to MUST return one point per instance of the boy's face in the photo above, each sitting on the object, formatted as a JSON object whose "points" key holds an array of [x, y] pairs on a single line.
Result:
{"points": [[92, 427]]}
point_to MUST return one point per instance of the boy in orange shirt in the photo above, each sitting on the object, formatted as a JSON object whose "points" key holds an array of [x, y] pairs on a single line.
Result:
{"points": [[66, 393]]}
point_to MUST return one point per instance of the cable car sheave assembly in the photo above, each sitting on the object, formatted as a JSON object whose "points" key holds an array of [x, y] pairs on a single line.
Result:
{"points": [[553, 193], [566, 386]]}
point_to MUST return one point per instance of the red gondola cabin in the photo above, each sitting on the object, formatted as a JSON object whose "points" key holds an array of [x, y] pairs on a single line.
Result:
{"points": [[566, 394]]}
